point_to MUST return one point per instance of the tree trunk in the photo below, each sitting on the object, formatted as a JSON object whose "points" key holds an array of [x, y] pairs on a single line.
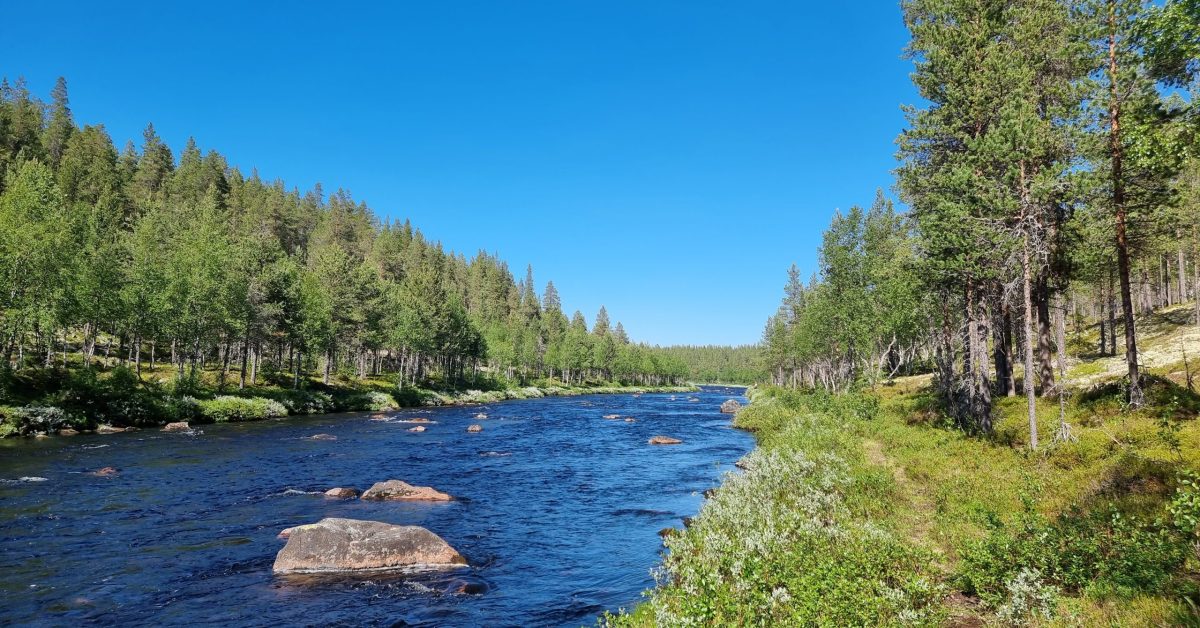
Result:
{"points": [[1000, 356], [1118, 200], [1183, 294], [245, 362], [296, 359], [1112, 312], [1030, 395], [1060, 336], [1044, 353]]}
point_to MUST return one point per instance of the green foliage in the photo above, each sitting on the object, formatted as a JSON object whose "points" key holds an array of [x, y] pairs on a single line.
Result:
{"points": [[230, 409], [1104, 550], [115, 398], [29, 420], [373, 401], [190, 260], [797, 539], [859, 320], [712, 364]]}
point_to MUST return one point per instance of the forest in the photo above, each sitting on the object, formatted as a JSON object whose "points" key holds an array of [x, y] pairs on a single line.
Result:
{"points": [[185, 266], [1054, 174]]}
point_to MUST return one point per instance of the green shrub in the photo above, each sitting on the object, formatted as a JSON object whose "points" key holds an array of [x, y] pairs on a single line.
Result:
{"points": [[1103, 550], [117, 398], [228, 409], [303, 401], [183, 408], [29, 420], [792, 541], [374, 401]]}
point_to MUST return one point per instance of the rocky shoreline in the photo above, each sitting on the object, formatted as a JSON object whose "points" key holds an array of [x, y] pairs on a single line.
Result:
{"points": [[39, 421]]}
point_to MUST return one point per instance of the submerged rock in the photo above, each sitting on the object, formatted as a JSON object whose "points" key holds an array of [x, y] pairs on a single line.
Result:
{"points": [[475, 428], [731, 406], [66, 431], [466, 587], [342, 493], [417, 428], [630, 419], [321, 437], [396, 490], [336, 545], [481, 416], [181, 426], [612, 416], [105, 472], [664, 440]]}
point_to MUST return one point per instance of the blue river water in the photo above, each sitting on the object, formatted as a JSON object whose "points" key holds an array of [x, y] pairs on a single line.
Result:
{"points": [[558, 513]]}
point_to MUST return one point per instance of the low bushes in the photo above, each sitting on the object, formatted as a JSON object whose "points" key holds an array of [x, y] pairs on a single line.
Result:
{"points": [[1104, 551], [230, 409], [798, 538], [29, 420]]}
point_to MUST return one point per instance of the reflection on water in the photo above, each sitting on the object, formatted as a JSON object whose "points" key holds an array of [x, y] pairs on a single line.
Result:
{"points": [[558, 513]]}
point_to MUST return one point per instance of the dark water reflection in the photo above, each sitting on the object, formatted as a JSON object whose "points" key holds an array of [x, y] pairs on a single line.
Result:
{"points": [[558, 514]]}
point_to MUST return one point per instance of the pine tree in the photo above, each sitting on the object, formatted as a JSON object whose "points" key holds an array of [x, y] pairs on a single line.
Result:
{"points": [[61, 125]]}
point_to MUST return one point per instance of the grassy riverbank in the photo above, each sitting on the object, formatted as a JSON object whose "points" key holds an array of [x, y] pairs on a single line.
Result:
{"points": [[43, 402], [872, 509]]}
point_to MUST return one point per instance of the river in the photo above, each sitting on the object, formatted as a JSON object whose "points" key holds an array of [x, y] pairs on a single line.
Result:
{"points": [[558, 513]]}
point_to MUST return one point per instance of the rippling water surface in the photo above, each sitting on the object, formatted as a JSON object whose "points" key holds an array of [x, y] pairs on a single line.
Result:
{"points": [[558, 513]]}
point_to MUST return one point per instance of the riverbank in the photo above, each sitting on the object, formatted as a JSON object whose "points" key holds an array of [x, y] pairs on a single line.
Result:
{"points": [[871, 510], [113, 403]]}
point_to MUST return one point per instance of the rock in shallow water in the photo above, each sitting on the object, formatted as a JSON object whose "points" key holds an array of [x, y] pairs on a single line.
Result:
{"points": [[396, 490], [664, 440], [336, 545], [731, 406], [181, 426], [342, 493], [475, 428]]}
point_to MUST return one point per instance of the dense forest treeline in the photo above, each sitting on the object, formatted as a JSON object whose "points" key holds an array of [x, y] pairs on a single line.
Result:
{"points": [[1053, 173], [719, 364], [142, 257]]}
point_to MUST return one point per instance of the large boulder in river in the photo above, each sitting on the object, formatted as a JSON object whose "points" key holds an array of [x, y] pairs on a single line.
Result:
{"points": [[664, 440], [342, 493], [731, 406], [347, 545], [396, 490], [181, 426], [475, 428]]}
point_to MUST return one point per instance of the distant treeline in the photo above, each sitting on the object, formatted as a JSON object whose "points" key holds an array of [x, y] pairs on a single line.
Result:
{"points": [[141, 256], [714, 364]]}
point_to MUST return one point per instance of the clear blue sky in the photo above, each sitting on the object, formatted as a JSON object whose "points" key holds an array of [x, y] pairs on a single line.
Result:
{"points": [[668, 160]]}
